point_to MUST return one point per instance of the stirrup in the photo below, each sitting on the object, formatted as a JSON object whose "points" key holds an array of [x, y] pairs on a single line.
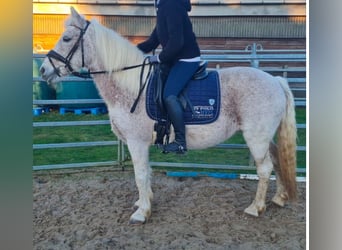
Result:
{"points": [[174, 147]]}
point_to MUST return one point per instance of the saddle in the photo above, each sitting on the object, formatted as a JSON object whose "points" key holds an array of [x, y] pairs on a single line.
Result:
{"points": [[158, 87], [201, 72], [200, 100]]}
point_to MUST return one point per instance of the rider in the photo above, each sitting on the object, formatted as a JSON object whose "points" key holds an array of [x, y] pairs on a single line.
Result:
{"points": [[179, 59]]}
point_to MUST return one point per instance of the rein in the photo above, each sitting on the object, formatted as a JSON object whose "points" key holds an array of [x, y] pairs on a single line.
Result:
{"points": [[89, 73], [142, 82], [66, 60]]}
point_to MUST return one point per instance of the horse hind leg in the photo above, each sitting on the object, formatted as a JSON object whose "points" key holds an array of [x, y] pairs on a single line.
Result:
{"points": [[281, 195], [264, 167]]}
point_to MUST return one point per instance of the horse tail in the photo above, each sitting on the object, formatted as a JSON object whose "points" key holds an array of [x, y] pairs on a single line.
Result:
{"points": [[287, 137]]}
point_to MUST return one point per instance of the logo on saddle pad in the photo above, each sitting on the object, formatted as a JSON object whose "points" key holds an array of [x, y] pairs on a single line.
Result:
{"points": [[201, 99], [204, 112]]}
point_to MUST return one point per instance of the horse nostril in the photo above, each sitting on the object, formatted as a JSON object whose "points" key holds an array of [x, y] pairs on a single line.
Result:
{"points": [[42, 70]]}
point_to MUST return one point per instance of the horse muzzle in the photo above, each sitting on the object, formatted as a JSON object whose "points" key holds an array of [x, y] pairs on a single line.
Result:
{"points": [[49, 74]]}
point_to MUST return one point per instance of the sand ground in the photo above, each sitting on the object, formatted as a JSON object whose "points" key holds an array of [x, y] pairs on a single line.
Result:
{"points": [[90, 210]]}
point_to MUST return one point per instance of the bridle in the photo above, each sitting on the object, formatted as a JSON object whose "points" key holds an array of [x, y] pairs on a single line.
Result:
{"points": [[87, 74], [66, 60]]}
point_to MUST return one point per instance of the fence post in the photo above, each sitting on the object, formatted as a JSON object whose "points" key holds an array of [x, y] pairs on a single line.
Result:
{"points": [[121, 154], [253, 48], [255, 64]]}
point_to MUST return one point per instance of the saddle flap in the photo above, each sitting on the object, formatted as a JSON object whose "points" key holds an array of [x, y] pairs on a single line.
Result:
{"points": [[158, 88]]}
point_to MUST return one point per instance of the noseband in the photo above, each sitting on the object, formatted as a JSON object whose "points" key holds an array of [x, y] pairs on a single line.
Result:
{"points": [[66, 60]]}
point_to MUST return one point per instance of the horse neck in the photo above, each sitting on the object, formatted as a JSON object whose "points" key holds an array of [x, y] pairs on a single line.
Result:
{"points": [[113, 91], [120, 85]]}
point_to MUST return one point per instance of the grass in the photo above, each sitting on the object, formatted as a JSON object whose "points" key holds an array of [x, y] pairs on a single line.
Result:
{"points": [[43, 135]]}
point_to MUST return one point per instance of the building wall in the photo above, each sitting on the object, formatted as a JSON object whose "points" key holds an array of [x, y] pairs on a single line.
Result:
{"points": [[226, 24]]}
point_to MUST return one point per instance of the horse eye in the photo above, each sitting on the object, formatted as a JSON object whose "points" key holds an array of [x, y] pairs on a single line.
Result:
{"points": [[66, 38]]}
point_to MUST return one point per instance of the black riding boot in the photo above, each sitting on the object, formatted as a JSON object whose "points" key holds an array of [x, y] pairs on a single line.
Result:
{"points": [[176, 115]]}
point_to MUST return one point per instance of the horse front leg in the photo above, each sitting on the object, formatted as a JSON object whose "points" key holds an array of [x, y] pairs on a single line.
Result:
{"points": [[140, 157]]}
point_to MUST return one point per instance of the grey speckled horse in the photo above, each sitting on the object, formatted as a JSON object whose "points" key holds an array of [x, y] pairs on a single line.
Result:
{"points": [[252, 101]]}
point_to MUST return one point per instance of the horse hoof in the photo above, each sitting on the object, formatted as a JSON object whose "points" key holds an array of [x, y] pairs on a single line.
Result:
{"points": [[137, 220], [278, 201], [252, 211]]}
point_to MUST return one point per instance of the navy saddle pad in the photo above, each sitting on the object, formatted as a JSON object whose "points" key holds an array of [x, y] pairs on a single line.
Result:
{"points": [[203, 100]]}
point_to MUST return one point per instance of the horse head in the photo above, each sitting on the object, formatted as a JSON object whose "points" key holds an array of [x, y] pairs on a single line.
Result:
{"points": [[68, 57]]}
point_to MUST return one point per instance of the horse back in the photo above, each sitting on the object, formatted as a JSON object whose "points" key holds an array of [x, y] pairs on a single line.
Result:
{"points": [[250, 93]]}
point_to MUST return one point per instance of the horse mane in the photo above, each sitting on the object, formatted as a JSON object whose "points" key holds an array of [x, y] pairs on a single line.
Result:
{"points": [[116, 52]]}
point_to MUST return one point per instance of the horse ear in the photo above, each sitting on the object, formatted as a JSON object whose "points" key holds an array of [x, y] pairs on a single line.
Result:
{"points": [[73, 12], [77, 17]]}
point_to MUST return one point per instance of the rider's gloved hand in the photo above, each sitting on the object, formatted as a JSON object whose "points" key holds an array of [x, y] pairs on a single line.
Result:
{"points": [[153, 59]]}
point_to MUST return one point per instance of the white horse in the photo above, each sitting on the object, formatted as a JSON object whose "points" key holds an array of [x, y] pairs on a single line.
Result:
{"points": [[252, 101]]}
